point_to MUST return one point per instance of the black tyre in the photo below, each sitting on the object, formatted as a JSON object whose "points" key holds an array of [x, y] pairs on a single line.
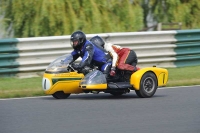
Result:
{"points": [[60, 95], [148, 85]]}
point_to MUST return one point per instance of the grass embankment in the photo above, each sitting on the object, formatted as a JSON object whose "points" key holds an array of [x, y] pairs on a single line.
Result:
{"points": [[17, 87]]}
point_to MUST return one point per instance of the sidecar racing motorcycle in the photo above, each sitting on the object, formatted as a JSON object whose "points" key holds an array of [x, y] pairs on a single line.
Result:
{"points": [[61, 79]]}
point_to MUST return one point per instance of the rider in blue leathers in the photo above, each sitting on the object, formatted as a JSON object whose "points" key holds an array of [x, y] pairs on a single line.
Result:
{"points": [[90, 53]]}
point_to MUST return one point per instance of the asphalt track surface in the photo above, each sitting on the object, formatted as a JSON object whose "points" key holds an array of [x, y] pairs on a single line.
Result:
{"points": [[171, 110]]}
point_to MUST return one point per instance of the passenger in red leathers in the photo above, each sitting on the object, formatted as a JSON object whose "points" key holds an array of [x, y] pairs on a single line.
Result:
{"points": [[123, 58]]}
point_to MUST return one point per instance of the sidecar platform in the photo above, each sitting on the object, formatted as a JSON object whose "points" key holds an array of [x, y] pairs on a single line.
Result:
{"points": [[119, 85]]}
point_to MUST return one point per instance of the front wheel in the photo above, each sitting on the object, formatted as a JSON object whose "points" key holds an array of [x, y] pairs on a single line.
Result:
{"points": [[148, 85], [60, 95]]}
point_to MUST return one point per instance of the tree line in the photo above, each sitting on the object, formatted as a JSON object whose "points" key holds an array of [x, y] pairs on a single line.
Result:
{"points": [[31, 18]]}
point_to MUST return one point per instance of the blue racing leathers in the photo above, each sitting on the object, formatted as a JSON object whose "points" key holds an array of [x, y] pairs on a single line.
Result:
{"points": [[92, 54]]}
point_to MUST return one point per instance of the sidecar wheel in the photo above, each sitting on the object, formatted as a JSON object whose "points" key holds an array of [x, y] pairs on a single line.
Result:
{"points": [[60, 95], [117, 93], [148, 85]]}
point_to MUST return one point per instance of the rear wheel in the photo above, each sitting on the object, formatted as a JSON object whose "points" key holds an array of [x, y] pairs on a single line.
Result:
{"points": [[60, 95], [148, 85]]}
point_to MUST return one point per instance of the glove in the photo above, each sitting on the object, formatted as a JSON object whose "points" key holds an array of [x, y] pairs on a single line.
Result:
{"points": [[76, 67], [112, 72]]}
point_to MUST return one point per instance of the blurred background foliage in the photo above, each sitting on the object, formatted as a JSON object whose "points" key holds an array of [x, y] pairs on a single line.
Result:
{"points": [[31, 18]]}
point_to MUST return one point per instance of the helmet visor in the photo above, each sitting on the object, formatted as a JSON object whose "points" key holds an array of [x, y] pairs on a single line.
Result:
{"points": [[74, 43]]}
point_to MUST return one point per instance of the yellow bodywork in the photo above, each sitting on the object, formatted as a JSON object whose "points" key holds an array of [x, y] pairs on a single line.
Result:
{"points": [[70, 82], [66, 82], [160, 73], [95, 87]]}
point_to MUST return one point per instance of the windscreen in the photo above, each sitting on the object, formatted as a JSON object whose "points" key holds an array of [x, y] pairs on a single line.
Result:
{"points": [[94, 77], [60, 64]]}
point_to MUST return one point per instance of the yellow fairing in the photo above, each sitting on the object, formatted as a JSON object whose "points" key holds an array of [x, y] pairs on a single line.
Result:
{"points": [[66, 82], [94, 87], [160, 73]]}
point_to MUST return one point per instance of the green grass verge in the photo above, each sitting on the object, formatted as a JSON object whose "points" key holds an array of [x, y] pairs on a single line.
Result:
{"points": [[184, 76], [17, 87]]}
